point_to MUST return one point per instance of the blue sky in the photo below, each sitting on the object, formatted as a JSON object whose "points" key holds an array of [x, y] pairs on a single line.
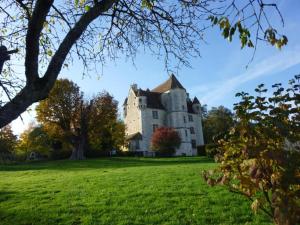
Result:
{"points": [[214, 78]]}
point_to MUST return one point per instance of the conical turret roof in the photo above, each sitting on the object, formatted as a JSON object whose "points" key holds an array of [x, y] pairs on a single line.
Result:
{"points": [[196, 101]]}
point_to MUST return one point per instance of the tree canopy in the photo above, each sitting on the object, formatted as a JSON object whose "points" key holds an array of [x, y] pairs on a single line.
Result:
{"points": [[8, 140], [34, 139], [50, 34], [85, 126], [216, 123]]}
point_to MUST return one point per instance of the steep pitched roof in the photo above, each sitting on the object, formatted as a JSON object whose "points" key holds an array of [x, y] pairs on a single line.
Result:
{"points": [[153, 98], [135, 136], [189, 104], [125, 101], [171, 83], [196, 101]]}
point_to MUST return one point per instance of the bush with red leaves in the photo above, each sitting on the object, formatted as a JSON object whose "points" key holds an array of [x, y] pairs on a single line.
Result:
{"points": [[165, 140]]}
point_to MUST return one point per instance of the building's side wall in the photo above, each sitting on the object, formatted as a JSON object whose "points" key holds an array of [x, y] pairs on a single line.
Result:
{"points": [[133, 116], [199, 130], [198, 133], [197, 108], [147, 125]]}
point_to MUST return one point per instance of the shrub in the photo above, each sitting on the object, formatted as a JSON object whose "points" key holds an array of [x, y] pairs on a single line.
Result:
{"points": [[211, 150], [165, 140], [261, 158]]}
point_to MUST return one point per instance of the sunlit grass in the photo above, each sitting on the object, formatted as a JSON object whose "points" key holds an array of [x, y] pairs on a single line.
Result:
{"points": [[118, 191]]}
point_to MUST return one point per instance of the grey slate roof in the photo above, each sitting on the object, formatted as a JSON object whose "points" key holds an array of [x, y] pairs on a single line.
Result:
{"points": [[135, 136], [189, 104], [196, 101], [153, 99]]}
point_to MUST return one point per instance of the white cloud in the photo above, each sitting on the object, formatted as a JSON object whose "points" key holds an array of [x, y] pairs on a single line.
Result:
{"points": [[28, 117], [215, 92]]}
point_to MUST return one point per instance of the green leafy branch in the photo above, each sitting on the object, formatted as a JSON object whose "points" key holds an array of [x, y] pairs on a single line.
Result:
{"points": [[229, 30]]}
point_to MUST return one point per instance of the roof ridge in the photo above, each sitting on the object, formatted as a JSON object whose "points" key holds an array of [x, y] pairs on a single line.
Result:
{"points": [[196, 101], [169, 84]]}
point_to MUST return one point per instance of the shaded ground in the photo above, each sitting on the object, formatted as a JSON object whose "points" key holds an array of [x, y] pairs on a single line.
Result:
{"points": [[118, 191]]}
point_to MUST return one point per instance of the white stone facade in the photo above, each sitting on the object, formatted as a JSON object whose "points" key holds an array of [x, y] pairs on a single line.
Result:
{"points": [[167, 105]]}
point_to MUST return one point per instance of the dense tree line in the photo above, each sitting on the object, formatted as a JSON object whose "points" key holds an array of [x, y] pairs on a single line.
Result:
{"points": [[216, 123]]}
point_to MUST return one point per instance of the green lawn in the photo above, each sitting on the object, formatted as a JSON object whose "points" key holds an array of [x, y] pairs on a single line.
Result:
{"points": [[118, 191]]}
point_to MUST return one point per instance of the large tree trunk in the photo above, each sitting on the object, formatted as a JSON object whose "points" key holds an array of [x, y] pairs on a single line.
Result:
{"points": [[78, 150], [81, 139]]}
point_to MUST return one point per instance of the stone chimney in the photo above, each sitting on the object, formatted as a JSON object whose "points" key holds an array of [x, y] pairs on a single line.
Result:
{"points": [[134, 87]]}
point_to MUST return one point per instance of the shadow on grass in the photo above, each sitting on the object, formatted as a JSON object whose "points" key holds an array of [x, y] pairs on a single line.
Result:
{"points": [[5, 195], [109, 163]]}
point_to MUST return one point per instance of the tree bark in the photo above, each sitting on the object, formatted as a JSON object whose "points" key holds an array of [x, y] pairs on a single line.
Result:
{"points": [[81, 139], [79, 149]]}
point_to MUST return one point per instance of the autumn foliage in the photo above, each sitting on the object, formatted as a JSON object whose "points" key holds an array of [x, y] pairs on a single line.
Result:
{"points": [[87, 128], [165, 140], [260, 158]]}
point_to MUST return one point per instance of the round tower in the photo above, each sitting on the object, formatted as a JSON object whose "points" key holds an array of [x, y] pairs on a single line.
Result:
{"points": [[178, 118], [178, 100], [174, 100]]}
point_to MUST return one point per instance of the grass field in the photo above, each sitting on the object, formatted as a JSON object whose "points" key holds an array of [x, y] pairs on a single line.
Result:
{"points": [[118, 191]]}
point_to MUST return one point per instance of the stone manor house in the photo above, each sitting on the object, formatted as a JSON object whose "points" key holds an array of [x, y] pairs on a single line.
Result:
{"points": [[166, 105]]}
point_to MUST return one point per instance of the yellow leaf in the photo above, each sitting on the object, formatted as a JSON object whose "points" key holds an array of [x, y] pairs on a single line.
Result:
{"points": [[255, 205]]}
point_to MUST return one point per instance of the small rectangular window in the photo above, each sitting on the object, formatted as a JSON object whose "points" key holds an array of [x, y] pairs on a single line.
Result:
{"points": [[137, 144], [186, 134], [155, 114], [190, 118], [184, 120], [192, 130], [155, 126], [194, 144]]}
